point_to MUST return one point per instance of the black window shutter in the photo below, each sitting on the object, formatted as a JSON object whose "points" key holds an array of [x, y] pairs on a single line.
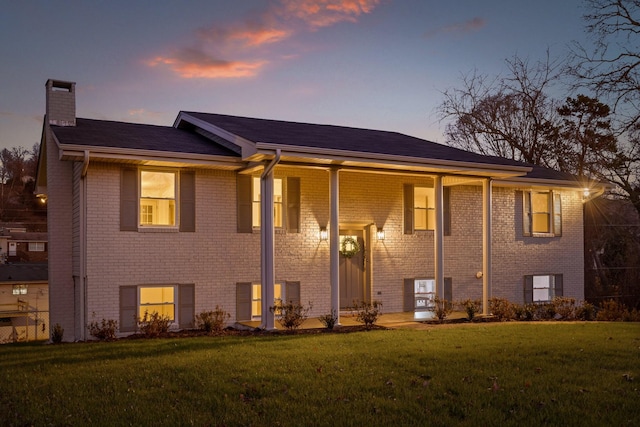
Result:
{"points": [[243, 301], [446, 214], [558, 290], [186, 299], [128, 308], [448, 289], [408, 208], [243, 188], [129, 200], [528, 289], [409, 295], [292, 292], [187, 201], [293, 205]]}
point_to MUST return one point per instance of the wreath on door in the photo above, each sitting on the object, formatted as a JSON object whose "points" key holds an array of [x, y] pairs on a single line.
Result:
{"points": [[349, 246]]}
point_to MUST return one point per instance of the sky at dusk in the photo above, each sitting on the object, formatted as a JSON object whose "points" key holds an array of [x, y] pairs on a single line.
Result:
{"points": [[378, 64]]}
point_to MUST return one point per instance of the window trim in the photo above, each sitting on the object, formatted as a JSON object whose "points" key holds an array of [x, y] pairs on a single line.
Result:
{"points": [[409, 209], [282, 203], [34, 246], [176, 199], [176, 315], [555, 288], [555, 213]]}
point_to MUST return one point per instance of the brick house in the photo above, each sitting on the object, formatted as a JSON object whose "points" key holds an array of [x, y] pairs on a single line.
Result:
{"points": [[234, 211]]}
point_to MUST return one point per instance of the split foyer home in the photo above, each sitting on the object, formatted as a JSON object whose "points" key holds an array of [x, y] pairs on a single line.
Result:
{"points": [[239, 212]]}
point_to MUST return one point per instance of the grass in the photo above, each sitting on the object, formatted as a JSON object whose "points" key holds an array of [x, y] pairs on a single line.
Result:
{"points": [[480, 374]]}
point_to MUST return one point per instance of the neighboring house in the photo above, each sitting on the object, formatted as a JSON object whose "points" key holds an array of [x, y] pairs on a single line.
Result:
{"points": [[19, 245], [24, 302], [235, 212]]}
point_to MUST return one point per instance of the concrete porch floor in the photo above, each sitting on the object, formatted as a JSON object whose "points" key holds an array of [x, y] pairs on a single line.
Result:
{"points": [[409, 320]]}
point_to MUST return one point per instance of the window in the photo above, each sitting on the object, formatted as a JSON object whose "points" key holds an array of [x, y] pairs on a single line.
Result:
{"points": [[256, 298], [157, 198], [277, 202], [420, 209], [542, 288], [419, 294], [286, 203], [20, 289], [36, 247], [249, 298], [424, 206], [159, 300], [542, 213], [174, 301]]}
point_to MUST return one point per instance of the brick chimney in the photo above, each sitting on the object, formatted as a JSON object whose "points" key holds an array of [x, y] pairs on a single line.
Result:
{"points": [[61, 103]]}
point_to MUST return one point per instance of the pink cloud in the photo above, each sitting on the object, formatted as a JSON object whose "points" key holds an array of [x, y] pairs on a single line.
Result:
{"points": [[324, 13], [193, 63], [459, 28], [249, 39]]}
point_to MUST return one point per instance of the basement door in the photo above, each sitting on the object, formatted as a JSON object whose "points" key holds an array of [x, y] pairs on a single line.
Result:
{"points": [[351, 269]]}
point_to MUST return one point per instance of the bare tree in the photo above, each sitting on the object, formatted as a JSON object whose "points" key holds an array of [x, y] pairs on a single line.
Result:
{"points": [[611, 66], [509, 116]]}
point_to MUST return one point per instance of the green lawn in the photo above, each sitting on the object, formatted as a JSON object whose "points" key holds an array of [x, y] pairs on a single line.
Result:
{"points": [[546, 373]]}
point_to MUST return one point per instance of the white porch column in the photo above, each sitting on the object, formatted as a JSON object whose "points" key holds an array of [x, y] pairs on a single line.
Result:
{"points": [[334, 243], [438, 237], [267, 247], [487, 208]]}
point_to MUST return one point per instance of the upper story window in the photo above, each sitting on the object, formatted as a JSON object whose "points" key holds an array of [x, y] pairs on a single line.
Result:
{"points": [[542, 214], [419, 203], [157, 198], [277, 202], [286, 206], [424, 207]]}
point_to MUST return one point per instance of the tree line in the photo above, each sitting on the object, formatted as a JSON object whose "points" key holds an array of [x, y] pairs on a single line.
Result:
{"points": [[18, 202], [578, 114]]}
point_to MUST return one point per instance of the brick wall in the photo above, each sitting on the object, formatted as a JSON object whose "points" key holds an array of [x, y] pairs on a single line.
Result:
{"points": [[216, 257]]}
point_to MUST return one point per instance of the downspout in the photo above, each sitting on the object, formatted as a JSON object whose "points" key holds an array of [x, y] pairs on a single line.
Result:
{"points": [[83, 246], [267, 243]]}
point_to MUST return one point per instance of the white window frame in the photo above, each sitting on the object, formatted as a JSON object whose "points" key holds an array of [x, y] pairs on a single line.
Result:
{"points": [[553, 212], [256, 200], [256, 298], [175, 303], [35, 246], [429, 210], [544, 283], [176, 199]]}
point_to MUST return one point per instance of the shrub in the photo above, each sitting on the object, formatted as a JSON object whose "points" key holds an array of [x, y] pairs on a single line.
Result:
{"points": [[329, 320], [154, 324], [291, 315], [442, 308], [501, 308], [367, 312], [105, 330], [471, 307], [586, 311], [524, 312], [565, 307], [611, 311], [212, 321], [631, 315], [545, 311], [57, 332]]}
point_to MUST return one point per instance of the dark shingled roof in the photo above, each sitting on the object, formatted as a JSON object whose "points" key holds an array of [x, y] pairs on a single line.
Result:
{"points": [[104, 133], [24, 272], [342, 138]]}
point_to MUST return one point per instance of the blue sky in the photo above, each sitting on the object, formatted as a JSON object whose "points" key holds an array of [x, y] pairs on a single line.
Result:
{"points": [[379, 64]]}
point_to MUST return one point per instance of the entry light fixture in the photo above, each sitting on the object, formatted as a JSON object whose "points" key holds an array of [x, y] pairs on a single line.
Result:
{"points": [[380, 234], [585, 193], [323, 234]]}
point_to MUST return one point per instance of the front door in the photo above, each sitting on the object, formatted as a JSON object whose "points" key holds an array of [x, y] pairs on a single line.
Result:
{"points": [[351, 268]]}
